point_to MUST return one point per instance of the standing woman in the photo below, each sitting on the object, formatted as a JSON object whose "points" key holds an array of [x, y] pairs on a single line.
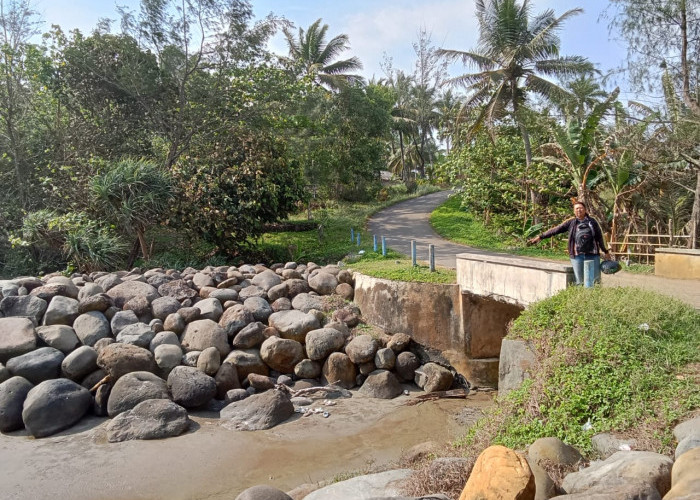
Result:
{"points": [[585, 241]]}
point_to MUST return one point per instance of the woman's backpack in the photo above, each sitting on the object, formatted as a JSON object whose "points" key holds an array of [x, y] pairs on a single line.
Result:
{"points": [[584, 238]]}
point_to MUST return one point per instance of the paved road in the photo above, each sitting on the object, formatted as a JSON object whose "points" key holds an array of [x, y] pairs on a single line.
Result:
{"points": [[409, 220]]}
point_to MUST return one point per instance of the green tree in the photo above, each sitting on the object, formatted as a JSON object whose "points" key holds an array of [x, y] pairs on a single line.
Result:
{"points": [[516, 51], [315, 57]]}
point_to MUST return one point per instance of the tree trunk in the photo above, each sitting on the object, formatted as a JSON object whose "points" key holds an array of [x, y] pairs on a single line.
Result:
{"points": [[695, 217], [142, 243], [685, 70], [404, 173]]}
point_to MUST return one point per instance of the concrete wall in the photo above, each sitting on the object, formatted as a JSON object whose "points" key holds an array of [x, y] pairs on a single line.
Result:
{"points": [[515, 280], [677, 263]]}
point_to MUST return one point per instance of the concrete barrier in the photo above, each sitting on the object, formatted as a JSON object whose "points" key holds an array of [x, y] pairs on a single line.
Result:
{"points": [[679, 263], [515, 280]]}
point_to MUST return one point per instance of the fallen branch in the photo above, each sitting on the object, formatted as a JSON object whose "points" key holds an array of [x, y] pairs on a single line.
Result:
{"points": [[431, 396], [104, 380], [313, 390]]}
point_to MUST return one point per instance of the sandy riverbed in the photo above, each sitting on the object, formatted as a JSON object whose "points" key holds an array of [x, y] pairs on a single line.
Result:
{"points": [[214, 463]]}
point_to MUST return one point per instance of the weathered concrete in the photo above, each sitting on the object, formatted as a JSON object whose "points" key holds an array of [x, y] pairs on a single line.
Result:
{"points": [[678, 263], [513, 280], [467, 329]]}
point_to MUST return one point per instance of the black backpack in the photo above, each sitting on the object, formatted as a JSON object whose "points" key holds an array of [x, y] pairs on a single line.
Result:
{"points": [[584, 238]]}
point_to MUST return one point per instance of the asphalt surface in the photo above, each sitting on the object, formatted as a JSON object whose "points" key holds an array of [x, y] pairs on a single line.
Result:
{"points": [[410, 220]]}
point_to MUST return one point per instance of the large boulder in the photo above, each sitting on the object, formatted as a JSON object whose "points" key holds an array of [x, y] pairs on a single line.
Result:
{"points": [[163, 306], [190, 387], [59, 337], [203, 333], [91, 327], [121, 320], [39, 365], [209, 361], [167, 357], [16, 337], [281, 354], [322, 342], [13, 392], [61, 311], [406, 365], [99, 302], [134, 388], [250, 336], [119, 359], [54, 405], [295, 286], [500, 472], [362, 349], [79, 363], [323, 283], [138, 334], [385, 359], [381, 384], [210, 309], [124, 292], [247, 361], [554, 451], [263, 492], [293, 324], [258, 412], [258, 307], [177, 289], [432, 377], [25, 306], [379, 486], [624, 467], [235, 318], [150, 419], [339, 370], [307, 369], [305, 302], [266, 280]]}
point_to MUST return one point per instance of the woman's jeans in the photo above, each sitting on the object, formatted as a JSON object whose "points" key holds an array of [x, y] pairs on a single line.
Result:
{"points": [[577, 262]]}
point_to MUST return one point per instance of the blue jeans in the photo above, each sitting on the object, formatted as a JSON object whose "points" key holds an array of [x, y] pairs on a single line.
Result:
{"points": [[577, 263]]}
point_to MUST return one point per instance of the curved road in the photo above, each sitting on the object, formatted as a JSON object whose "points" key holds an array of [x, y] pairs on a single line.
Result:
{"points": [[410, 220]]}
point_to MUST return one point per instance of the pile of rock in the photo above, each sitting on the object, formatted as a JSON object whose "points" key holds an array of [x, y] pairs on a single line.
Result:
{"points": [[143, 347]]}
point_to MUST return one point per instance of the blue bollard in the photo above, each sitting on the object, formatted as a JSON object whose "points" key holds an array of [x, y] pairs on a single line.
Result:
{"points": [[358, 239], [431, 257], [352, 235], [413, 252], [375, 242], [588, 273], [384, 246]]}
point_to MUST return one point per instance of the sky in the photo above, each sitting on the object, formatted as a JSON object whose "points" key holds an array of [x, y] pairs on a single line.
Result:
{"points": [[389, 27]]}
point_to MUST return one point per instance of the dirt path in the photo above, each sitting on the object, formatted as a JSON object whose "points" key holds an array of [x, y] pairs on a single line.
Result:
{"points": [[410, 220]]}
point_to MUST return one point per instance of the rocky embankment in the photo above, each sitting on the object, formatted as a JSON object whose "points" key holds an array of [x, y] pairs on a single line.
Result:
{"points": [[144, 347]]}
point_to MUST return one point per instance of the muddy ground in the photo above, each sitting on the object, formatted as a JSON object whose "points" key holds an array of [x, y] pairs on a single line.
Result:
{"points": [[214, 463]]}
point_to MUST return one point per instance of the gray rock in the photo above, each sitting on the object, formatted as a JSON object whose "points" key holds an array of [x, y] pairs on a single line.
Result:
{"points": [[406, 365], [61, 311], [156, 325], [381, 384], [258, 412], [307, 368], [79, 363], [399, 342], [26, 306], [162, 338], [277, 292], [687, 443], [515, 361], [305, 302], [349, 314], [263, 492], [108, 281], [235, 318], [385, 359], [345, 291], [226, 380], [684, 429], [247, 361], [189, 314], [281, 354], [39, 365], [210, 309], [91, 327], [141, 307], [4, 373], [209, 361], [621, 491], [250, 336], [607, 444], [322, 342], [235, 395], [167, 357], [554, 451], [119, 359], [260, 383], [59, 337], [174, 323], [432, 377], [158, 279], [382, 484], [201, 280], [13, 392], [362, 349], [89, 290], [252, 291], [124, 292], [203, 333], [258, 307], [121, 320], [48, 292], [99, 302], [624, 467], [191, 358], [293, 324], [281, 304], [134, 388], [323, 283], [339, 370], [16, 337], [138, 334], [266, 280], [54, 405], [151, 419], [163, 306], [189, 387], [223, 295]]}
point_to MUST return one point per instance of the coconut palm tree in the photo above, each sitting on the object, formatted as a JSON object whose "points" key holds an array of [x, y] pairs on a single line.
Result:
{"points": [[515, 52], [315, 57]]}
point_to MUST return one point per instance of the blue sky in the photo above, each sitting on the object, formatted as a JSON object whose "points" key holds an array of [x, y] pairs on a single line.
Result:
{"points": [[376, 27]]}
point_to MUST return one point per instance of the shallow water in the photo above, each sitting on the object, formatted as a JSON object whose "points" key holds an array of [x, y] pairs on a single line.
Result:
{"points": [[214, 463]]}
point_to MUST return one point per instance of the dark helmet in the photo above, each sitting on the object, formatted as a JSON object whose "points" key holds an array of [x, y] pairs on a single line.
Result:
{"points": [[610, 266]]}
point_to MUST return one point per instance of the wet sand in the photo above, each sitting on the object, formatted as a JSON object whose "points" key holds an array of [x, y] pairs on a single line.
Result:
{"points": [[214, 463]]}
